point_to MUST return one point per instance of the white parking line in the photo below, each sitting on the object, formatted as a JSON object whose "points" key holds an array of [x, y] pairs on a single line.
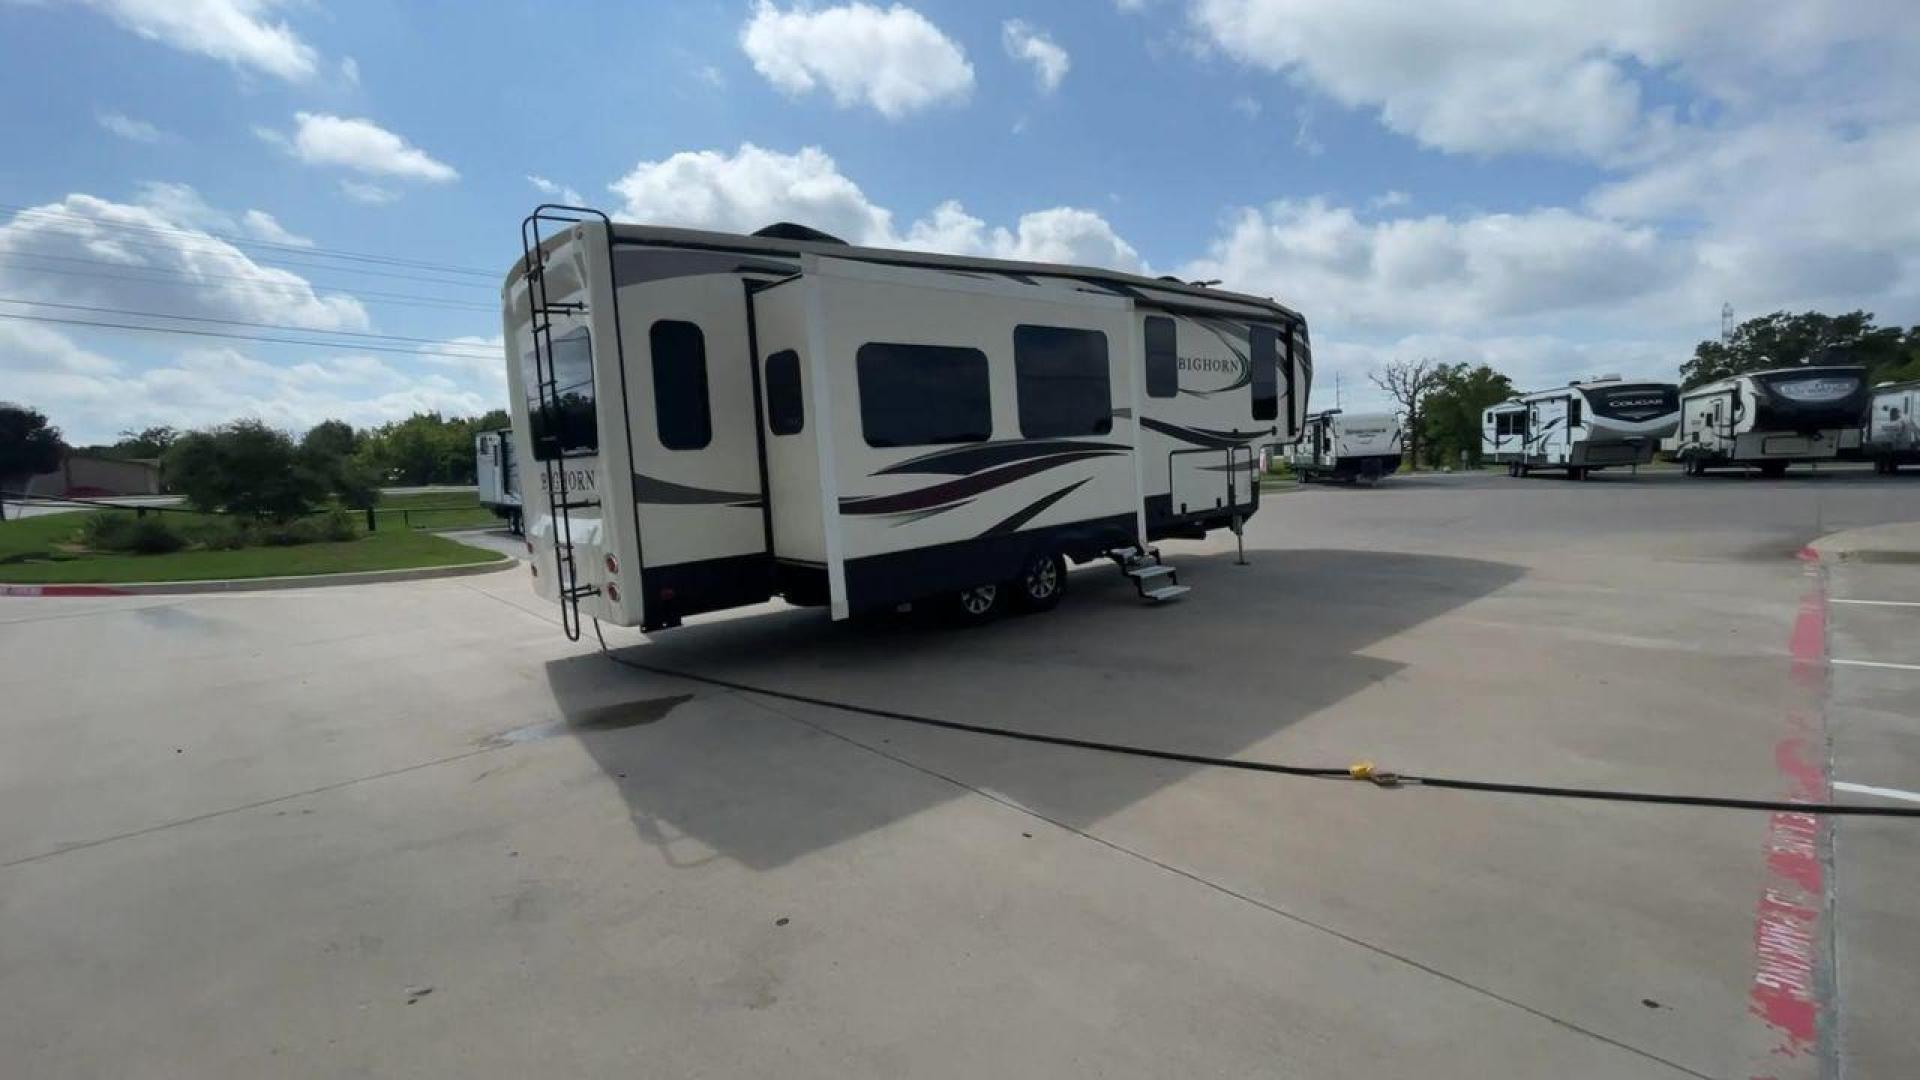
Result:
{"points": [[1877, 663], [1883, 792], [1876, 603]]}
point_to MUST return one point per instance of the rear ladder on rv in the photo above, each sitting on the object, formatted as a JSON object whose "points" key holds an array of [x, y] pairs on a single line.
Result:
{"points": [[541, 310]]}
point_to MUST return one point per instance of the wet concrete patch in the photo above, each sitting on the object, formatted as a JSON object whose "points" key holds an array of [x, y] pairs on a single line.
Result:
{"points": [[614, 717]]}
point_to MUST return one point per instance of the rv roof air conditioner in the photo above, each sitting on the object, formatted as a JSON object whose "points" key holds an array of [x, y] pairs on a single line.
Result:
{"points": [[787, 230]]}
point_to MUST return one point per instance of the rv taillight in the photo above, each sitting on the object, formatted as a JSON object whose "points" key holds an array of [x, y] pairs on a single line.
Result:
{"points": [[613, 592], [613, 566]]}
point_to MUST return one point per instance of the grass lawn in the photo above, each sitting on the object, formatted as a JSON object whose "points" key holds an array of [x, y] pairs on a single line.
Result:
{"points": [[34, 552], [434, 510]]}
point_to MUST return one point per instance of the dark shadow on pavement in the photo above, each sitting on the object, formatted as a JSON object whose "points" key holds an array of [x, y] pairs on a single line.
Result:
{"points": [[1252, 650]]}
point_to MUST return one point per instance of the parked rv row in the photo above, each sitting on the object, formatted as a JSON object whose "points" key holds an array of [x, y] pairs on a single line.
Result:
{"points": [[711, 420], [1767, 420]]}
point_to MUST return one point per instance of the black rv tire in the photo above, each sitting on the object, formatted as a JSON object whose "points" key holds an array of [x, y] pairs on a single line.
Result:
{"points": [[1041, 583], [972, 607], [1773, 470]]}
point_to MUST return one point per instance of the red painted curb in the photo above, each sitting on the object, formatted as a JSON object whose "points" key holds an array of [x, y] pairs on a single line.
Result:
{"points": [[61, 590], [1789, 932]]}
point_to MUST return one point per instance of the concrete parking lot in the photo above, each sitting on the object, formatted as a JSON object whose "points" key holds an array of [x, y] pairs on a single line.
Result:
{"points": [[410, 830]]}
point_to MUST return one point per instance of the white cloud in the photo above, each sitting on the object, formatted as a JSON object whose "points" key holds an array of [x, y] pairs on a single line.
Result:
{"points": [[182, 204], [361, 191], [559, 191], [755, 187], [1496, 76], [1531, 361], [1063, 234], [199, 387], [1304, 139], [128, 128], [350, 71], [264, 226], [237, 31], [892, 60], [1024, 42], [154, 256], [1790, 213], [359, 145], [749, 189], [1247, 105], [1435, 271]]}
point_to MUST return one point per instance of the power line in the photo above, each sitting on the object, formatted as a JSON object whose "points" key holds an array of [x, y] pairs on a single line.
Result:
{"points": [[486, 351], [245, 337], [171, 277], [262, 260], [16, 254], [33, 212]]}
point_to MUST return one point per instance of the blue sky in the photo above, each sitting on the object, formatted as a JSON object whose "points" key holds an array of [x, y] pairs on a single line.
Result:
{"points": [[1553, 188]]}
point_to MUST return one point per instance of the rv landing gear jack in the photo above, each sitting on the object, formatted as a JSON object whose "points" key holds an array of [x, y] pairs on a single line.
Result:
{"points": [[1239, 541]]}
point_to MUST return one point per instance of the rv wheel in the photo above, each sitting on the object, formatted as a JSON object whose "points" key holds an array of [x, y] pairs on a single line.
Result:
{"points": [[976, 605], [1040, 586], [1773, 470]]}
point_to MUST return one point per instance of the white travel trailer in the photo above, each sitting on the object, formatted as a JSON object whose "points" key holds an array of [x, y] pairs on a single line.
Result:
{"points": [[1893, 433], [1772, 419], [1580, 427], [1347, 446], [718, 419], [496, 467]]}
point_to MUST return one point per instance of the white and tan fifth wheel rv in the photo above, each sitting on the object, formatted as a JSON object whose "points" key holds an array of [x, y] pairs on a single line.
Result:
{"points": [[710, 420]]}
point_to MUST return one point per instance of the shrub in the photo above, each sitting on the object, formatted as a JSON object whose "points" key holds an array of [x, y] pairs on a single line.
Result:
{"points": [[338, 526], [220, 534], [247, 468], [288, 533], [107, 530], [153, 536]]}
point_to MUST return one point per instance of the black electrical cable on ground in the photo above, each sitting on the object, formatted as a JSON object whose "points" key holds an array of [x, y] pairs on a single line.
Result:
{"points": [[1357, 772]]}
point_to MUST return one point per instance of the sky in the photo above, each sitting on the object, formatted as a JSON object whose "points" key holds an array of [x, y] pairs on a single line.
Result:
{"points": [[1559, 189]]}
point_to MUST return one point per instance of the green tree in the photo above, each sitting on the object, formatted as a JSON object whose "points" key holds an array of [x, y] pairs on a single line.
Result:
{"points": [[145, 444], [1454, 406], [1783, 340], [29, 446], [245, 467], [330, 440], [425, 448]]}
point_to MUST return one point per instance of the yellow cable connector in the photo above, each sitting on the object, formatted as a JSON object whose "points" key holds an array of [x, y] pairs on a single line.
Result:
{"points": [[1364, 770]]}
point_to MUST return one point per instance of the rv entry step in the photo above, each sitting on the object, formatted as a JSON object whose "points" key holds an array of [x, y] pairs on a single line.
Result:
{"points": [[1153, 579]]}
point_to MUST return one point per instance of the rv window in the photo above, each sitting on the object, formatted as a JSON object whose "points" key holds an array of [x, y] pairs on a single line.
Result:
{"points": [[562, 423], [923, 395], [1060, 377], [1266, 389], [786, 413], [1163, 360], [680, 412], [1573, 412]]}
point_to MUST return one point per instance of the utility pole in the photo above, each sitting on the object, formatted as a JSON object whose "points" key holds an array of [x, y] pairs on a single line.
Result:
{"points": [[1726, 322], [1336, 389]]}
